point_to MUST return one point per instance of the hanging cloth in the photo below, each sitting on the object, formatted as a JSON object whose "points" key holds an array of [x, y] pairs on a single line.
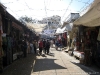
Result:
{"points": [[98, 38]]}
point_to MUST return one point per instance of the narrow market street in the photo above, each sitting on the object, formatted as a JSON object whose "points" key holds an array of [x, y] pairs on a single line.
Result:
{"points": [[67, 30], [56, 63]]}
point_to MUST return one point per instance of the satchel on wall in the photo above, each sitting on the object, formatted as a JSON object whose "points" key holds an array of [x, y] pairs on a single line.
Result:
{"points": [[98, 38]]}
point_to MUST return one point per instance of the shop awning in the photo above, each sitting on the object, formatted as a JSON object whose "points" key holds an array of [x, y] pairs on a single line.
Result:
{"points": [[64, 24], [59, 30], [92, 17], [73, 32], [69, 26], [36, 27]]}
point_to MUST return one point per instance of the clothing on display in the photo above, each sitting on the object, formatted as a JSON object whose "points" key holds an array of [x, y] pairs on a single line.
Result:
{"points": [[98, 35]]}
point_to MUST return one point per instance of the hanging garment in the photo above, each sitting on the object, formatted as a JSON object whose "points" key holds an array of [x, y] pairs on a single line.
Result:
{"points": [[98, 38], [31, 48]]}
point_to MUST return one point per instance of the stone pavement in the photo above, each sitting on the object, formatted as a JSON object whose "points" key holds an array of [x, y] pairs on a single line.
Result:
{"points": [[60, 63], [56, 63], [22, 66]]}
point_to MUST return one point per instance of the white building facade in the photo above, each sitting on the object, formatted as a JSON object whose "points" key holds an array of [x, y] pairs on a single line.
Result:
{"points": [[53, 23]]}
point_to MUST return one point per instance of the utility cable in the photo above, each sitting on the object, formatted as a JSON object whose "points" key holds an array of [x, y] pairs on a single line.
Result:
{"points": [[13, 12], [27, 5], [81, 8], [7, 3], [67, 8], [45, 8], [85, 5], [41, 10], [82, 1]]}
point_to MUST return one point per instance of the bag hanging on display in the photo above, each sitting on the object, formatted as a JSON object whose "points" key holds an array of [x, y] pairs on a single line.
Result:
{"points": [[1, 52], [98, 38]]}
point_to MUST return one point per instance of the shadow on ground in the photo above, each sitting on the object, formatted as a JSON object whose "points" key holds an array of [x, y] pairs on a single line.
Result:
{"points": [[22, 66], [51, 54], [43, 55], [46, 64], [88, 70]]}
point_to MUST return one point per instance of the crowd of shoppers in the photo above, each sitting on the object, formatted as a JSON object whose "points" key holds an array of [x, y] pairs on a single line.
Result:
{"points": [[42, 45]]}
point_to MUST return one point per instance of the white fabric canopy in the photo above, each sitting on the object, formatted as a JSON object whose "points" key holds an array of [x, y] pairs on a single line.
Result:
{"points": [[69, 26], [92, 17], [36, 27], [59, 30]]}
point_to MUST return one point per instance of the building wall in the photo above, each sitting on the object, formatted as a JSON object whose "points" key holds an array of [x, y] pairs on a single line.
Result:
{"points": [[53, 21], [72, 17]]}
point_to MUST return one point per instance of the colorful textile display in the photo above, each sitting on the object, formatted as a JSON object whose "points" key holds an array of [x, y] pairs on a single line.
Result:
{"points": [[98, 38]]}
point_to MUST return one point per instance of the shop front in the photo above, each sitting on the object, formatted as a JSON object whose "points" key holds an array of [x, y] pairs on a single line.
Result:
{"points": [[17, 36], [1, 50], [90, 45], [87, 45], [9, 32], [6, 41], [89, 35]]}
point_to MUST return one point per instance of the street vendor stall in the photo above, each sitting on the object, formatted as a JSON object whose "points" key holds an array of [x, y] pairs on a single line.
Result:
{"points": [[91, 21]]}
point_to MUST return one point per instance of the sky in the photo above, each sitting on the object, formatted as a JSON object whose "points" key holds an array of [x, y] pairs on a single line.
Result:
{"points": [[39, 9]]}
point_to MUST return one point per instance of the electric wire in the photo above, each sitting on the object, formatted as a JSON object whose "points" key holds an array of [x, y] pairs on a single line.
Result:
{"points": [[67, 9], [82, 1], [41, 10], [85, 5], [83, 8], [13, 12], [45, 8], [27, 5], [79, 13]]}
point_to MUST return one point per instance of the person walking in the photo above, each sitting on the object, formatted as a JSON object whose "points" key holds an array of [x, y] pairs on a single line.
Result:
{"points": [[56, 44], [35, 45], [47, 46], [40, 46], [44, 44], [28, 47], [31, 48], [52, 43], [24, 48]]}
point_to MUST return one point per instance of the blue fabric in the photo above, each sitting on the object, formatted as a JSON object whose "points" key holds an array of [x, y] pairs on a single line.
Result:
{"points": [[57, 43]]}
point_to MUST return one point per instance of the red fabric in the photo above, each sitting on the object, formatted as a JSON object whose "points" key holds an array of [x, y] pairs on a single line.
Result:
{"points": [[60, 41], [40, 44], [64, 35], [82, 52], [88, 32], [77, 44]]}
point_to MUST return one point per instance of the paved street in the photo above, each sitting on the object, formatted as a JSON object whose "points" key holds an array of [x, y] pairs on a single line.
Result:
{"points": [[56, 63]]}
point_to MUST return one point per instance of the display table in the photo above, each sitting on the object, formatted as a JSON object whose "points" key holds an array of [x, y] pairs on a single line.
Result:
{"points": [[78, 54]]}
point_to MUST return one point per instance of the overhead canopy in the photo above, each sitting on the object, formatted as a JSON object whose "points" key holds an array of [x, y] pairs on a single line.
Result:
{"points": [[49, 32], [69, 26], [36, 27], [64, 24], [92, 17], [59, 30], [73, 32]]}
